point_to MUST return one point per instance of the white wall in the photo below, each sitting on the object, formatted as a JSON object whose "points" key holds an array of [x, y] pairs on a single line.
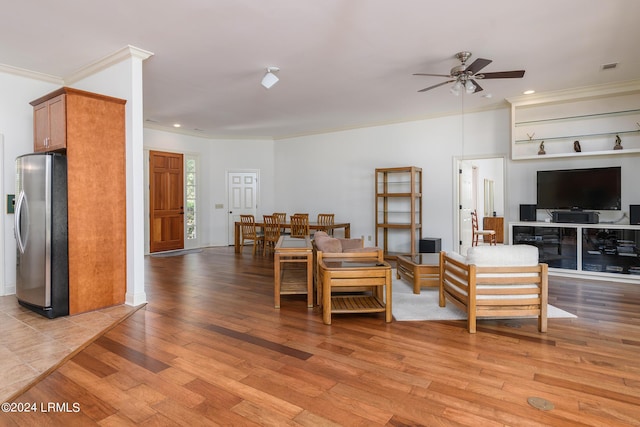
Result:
{"points": [[334, 172], [216, 157], [16, 124], [330, 172], [119, 79]]}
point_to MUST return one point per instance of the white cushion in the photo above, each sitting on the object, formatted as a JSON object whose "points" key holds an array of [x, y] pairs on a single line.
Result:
{"points": [[502, 256], [456, 257]]}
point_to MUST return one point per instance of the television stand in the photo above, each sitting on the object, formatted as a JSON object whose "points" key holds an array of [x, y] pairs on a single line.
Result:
{"points": [[601, 252], [575, 217]]}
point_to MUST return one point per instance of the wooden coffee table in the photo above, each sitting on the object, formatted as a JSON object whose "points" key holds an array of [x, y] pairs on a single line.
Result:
{"points": [[419, 269], [337, 274]]}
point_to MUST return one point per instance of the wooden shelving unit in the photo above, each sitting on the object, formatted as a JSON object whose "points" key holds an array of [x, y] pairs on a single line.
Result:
{"points": [[398, 195]]}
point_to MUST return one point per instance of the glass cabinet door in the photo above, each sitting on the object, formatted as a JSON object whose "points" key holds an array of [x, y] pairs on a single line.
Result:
{"points": [[611, 250]]}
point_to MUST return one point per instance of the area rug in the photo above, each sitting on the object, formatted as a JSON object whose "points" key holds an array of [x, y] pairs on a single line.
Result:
{"points": [[407, 306]]}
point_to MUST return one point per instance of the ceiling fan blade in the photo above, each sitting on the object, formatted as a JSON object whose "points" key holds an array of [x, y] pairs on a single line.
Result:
{"points": [[435, 86], [477, 65], [478, 87], [516, 74], [434, 75]]}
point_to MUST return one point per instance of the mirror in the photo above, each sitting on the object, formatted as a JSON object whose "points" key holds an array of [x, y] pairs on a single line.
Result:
{"points": [[488, 197]]}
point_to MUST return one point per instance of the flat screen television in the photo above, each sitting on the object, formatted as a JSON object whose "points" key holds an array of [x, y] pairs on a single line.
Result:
{"points": [[580, 189]]}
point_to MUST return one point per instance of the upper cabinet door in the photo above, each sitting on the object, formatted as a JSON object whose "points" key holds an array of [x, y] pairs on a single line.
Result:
{"points": [[50, 125]]}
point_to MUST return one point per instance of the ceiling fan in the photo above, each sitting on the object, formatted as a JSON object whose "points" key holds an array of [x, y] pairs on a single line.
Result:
{"points": [[465, 76]]}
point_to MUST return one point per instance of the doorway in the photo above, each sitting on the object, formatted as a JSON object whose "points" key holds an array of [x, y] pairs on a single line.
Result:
{"points": [[166, 201], [471, 174], [243, 195]]}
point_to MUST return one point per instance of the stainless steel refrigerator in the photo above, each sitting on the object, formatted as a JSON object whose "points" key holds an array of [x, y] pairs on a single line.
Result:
{"points": [[42, 275]]}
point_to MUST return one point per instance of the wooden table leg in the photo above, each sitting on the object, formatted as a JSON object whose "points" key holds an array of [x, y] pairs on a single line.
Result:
{"points": [[416, 279], [326, 299], [310, 280], [347, 231], [388, 313], [276, 280], [236, 238]]}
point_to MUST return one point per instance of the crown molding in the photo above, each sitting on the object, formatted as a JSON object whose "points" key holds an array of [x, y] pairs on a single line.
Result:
{"points": [[150, 124], [106, 62], [31, 74], [86, 71], [595, 91]]}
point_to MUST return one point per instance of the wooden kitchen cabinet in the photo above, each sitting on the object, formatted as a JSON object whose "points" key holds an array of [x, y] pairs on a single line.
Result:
{"points": [[49, 124], [94, 126]]}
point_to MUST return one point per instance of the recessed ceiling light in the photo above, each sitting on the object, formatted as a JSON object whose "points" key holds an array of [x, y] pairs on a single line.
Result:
{"points": [[177, 125], [529, 92]]}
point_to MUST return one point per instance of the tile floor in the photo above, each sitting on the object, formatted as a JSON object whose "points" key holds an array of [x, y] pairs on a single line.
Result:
{"points": [[31, 344]]}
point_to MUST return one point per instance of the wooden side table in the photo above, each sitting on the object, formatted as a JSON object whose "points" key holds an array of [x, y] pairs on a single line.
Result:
{"points": [[336, 274], [420, 269], [292, 281]]}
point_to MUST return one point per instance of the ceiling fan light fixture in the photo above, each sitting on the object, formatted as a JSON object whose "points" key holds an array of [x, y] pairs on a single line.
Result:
{"points": [[269, 78], [469, 87], [455, 89]]}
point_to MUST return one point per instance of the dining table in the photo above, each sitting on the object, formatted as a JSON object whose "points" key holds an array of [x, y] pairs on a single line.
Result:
{"points": [[313, 225]]}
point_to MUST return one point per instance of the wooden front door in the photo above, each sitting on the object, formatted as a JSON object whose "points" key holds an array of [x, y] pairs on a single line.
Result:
{"points": [[166, 199]]}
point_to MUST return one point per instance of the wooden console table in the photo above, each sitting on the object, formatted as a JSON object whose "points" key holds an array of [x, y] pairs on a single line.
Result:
{"points": [[350, 271], [292, 281]]}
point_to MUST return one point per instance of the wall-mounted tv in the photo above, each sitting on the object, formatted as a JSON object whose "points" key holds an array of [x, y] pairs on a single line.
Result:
{"points": [[585, 189]]}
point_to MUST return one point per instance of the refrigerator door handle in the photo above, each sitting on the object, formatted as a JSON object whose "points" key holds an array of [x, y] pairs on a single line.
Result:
{"points": [[18, 213]]}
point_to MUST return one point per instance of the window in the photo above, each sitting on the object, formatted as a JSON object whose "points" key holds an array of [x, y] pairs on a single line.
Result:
{"points": [[190, 198]]}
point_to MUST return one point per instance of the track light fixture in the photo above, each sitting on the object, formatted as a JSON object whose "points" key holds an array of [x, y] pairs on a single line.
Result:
{"points": [[269, 78]]}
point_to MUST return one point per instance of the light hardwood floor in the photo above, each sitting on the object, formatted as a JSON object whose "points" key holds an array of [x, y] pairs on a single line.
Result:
{"points": [[210, 349]]}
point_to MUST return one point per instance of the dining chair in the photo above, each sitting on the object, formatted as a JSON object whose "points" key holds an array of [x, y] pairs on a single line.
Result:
{"points": [[487, 235], [271, 233], [250, 232], [325, 219], [282, 217], [300, 225]]}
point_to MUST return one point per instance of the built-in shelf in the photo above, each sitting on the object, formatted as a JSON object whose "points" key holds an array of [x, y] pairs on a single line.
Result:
{"points": [[582, 116], [595, 119], [574, 137]]}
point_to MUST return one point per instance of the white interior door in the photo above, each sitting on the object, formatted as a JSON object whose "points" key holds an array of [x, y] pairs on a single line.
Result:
{"points": [[466, 198], [243, 198]]}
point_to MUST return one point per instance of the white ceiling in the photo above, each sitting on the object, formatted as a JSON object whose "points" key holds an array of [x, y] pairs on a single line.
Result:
{"points": [[344, 63]]}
